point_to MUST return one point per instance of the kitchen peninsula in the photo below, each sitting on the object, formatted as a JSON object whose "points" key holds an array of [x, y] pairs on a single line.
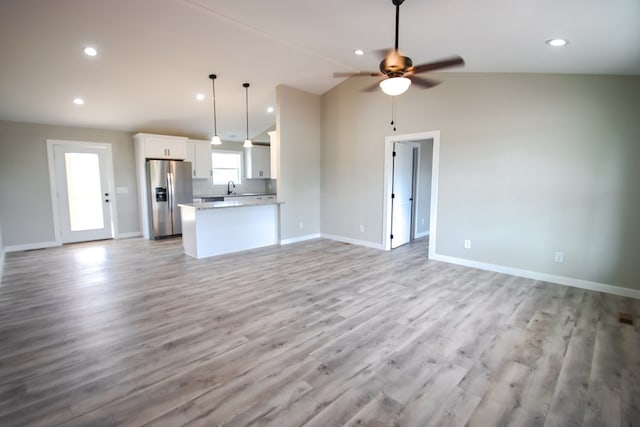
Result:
{"points": [[216, 228]]}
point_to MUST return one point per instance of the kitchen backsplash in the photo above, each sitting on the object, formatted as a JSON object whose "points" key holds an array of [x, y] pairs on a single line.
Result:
{"points": [[203, 187]]}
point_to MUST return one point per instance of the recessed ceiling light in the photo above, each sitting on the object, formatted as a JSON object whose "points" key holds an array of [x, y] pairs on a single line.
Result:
{"points": [[557, 42], [78, 101], [200, 96], [270, 110], [90, 51], [359, 52]]}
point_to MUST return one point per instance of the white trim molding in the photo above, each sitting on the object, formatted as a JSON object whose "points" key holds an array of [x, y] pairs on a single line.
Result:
{"points": [[560, 280], [32, 246], [388, 177], [354, 241], [299, 239], [129, 235]]}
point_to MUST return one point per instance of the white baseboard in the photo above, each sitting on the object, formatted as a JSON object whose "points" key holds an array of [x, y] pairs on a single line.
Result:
{"points": [[129, 235], [560, 280], [353, 241], [299, 239], [420, 235], [32, 246]]}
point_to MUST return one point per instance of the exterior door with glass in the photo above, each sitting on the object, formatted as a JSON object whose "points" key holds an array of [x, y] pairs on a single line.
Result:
{"points": [[83, 192]]}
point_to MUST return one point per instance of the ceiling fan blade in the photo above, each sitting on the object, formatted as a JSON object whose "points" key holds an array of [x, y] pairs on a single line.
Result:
{"points": [[422, 82], [371, 88], [454, 61], [362, 73]]}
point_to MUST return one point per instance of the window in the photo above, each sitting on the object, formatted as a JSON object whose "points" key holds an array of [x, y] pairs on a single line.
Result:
{"points": [[226, 167]]}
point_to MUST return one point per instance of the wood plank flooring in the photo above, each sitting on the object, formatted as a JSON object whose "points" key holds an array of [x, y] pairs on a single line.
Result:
{"points": [[317, 333]]}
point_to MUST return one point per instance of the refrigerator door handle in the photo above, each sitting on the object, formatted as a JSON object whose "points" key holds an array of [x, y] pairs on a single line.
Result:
{"points": [[170, 190]]}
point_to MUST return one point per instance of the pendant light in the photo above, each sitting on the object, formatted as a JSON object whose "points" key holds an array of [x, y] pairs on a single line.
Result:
{"points": [[247, 142], [215, 139]]}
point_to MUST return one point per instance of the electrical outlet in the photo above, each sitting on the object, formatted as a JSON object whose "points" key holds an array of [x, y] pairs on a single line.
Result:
{"points": [[301, 225], [361, 228], [467, 244], [559, 257], [422, 221]]}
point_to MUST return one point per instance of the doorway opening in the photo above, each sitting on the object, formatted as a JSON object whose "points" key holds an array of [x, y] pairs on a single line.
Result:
{"points": [[411, 182], [81, 179]]}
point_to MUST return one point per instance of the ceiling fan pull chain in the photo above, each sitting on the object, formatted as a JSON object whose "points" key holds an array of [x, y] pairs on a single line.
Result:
{"points": [[393, 112]]}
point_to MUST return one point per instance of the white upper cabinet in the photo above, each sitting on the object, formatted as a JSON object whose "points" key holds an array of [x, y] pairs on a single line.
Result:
{"points": [[162, 146], [257, 162], [199, 154]]}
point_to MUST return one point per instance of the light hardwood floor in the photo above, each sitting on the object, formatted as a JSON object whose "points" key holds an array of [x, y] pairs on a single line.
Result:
{"points": [[317, 333]]}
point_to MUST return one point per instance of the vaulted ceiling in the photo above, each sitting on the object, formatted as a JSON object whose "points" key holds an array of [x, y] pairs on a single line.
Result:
{"points": [[154, 56]]}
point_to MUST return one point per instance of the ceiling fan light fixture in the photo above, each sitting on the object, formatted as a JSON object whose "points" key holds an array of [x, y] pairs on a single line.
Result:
{"points": [[215, 139], [359, 52], [395, 85]]}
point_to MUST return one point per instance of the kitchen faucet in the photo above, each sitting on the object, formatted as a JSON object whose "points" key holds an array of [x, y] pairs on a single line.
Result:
{"points": [[229, 191]]}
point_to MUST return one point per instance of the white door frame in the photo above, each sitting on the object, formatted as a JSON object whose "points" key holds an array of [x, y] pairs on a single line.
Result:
{"points": [[388, 177], [51, 144]]}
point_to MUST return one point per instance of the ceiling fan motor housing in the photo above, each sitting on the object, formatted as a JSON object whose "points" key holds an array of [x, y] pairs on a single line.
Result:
{"points": [[395, 65]]}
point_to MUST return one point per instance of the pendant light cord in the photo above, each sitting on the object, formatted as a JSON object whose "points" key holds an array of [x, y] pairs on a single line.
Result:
{"points": [[215, 125], [246, 91]]}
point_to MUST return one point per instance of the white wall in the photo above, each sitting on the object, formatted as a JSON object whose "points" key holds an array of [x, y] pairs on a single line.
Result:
{"points": [[529, 165], [25, 195], [299, 127]]}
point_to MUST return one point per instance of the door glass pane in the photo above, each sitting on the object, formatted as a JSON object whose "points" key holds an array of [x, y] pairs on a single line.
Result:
{"points": [[85, 193]]}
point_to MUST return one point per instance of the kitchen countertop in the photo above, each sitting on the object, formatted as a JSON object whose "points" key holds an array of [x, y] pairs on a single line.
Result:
{"points": [[228, 204]]}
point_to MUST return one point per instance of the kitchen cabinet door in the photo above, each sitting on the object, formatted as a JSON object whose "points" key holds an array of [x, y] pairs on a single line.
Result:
{"points": [[257, 162], [199, 154], [163, 147]]}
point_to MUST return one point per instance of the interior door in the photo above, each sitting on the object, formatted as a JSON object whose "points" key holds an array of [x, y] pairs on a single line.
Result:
{"points": [[81, 173], [402, 194]]}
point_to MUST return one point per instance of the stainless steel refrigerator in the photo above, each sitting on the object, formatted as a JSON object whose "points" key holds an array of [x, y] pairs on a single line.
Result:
{"points": [[169, 184]]}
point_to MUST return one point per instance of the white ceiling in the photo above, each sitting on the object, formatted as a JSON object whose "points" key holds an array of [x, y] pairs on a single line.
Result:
{"points": [[155, 55]]}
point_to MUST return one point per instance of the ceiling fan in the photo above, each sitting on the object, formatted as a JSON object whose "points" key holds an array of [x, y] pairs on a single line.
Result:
{"points": [[400, 71]]}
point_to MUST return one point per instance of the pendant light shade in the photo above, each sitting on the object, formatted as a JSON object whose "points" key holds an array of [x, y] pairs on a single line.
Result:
{"points": [[247, 142], [215, 139], [395, 85]]}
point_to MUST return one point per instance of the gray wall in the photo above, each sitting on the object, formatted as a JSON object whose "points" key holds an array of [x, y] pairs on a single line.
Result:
{"points": [[529, 165], [299, 128], [25, 195]]}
